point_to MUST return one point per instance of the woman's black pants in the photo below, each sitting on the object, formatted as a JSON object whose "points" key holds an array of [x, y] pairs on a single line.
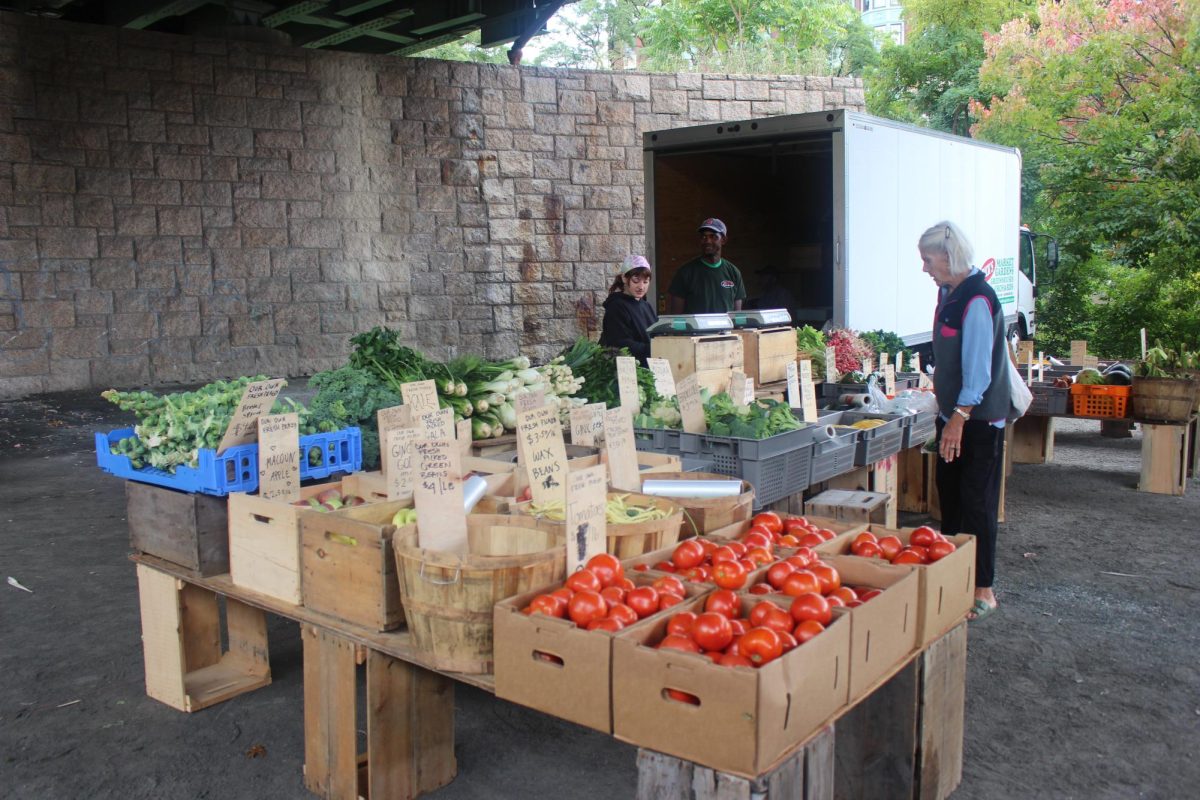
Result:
{"points": [[969, 491]]}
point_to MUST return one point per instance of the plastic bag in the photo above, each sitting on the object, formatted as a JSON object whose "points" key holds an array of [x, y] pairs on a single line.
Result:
{"points": [[914, 401], [1020, 396], [879, 401]]}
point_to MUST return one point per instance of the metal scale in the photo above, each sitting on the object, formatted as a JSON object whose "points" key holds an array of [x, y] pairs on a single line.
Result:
{"points": [[691, 325], [761, 318]]}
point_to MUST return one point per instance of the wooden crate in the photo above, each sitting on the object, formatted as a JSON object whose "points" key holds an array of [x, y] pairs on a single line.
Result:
{"points": [[264, 541], [766, 352], [711, 358], [849, 506], [1165, 463], [181, 643], [191, 530], [349, 568], [879, 477]]}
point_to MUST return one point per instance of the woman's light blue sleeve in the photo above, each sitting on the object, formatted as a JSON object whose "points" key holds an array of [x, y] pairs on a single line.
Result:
{"points": [[978, 338]]}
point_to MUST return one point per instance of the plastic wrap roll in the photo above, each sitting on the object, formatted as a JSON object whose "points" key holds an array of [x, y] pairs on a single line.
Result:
{"points": [[823, 433], [474, 489], [855, 400], [702, 490]]}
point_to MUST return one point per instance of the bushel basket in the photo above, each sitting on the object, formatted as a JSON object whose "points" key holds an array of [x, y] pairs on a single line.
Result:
{"points": [[1163, 399]]}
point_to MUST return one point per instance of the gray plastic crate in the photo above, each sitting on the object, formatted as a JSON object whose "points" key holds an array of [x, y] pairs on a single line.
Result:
{"points": [[920, 429], [657, 440], [875, 444], [1048, 400], [832, 457], [777, 466]]}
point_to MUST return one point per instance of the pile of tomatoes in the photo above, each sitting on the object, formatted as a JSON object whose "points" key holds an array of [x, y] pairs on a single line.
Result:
{"points": [[925, 546], [729, 564], [600, 597]]}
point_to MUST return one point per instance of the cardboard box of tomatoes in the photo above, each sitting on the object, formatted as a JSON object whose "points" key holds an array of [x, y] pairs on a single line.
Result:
{"points": [[946, 570], [549, 660], [739, 716]]}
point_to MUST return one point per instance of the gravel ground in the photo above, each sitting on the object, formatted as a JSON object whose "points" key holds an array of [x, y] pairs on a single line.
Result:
{"points": [[1083, 685]]}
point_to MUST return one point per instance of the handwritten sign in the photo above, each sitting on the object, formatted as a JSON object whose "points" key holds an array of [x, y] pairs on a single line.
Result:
{"points": [[690, 406], [389, 419], [396, 456], [622, 452], [924, 382], [1078, 350], [1143, 336], [1024, 350], [866, 366], [889, 379], [436, 424], [883, 361], [462, 432], [899, 361], [256, 401], [543, 453], [664, 379], [420, 396], [793, 384], [627, 384], [737, 389], [1041, 365], [279, 457], [808, 393], [1029, 366], [587, 424], [914, 362], [438, 496], [527, 401], [831, 370], [587, 498]]}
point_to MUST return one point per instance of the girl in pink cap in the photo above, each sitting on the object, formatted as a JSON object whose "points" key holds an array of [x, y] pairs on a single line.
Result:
{"points": [[627, 312]]}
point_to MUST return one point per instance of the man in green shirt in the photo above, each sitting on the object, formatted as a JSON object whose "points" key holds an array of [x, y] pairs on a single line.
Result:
{"points": [[708, 284]]}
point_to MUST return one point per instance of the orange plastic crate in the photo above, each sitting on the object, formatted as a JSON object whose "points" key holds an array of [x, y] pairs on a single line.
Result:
{"points": [[1100, 401]]}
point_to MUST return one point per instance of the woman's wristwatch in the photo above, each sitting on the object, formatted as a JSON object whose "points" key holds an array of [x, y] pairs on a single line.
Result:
{"points": [[962, 412]]}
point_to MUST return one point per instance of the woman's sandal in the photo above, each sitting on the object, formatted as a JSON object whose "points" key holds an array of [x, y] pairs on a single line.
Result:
{"points": [[981, 610]]}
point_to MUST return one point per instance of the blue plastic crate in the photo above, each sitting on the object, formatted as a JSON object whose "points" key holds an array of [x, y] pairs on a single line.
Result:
{"points": [[235, 470]]}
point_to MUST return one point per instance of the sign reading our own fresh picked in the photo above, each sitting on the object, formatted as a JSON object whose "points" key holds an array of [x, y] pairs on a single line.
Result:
{"points": [[664, 379], [627, 385], [586, 525], [279, 457], [544, 454], [256, 400], [436, 424], [438, 496], [691, 408]]}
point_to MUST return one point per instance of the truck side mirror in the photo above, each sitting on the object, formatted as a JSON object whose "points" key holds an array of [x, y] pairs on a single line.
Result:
{"points": [[1052, 254]]}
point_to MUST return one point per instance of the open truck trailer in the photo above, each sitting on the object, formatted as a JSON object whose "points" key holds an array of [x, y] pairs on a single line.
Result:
{"points": [[828, 207]]}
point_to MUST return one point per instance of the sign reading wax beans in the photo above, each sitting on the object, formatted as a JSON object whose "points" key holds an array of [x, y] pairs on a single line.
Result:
{"points": [[587, 500], [544, 455], [279, 457], [438, 496], [527, 401], [256, 401], [621, 450]]}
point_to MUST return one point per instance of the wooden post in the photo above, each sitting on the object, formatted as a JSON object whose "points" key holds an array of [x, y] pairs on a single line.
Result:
{"points": [[181, 644], [409, 723], [942, 689], [876, 746], [1033, 440], [912, 488], [1164, 458]]}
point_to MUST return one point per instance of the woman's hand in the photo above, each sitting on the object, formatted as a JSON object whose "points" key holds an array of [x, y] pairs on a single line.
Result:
{"points": [[950, 446]]}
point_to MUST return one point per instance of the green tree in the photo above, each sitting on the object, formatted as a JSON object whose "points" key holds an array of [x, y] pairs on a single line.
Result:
{"points": [[1103, 98], [596, 34], [467, 49]]}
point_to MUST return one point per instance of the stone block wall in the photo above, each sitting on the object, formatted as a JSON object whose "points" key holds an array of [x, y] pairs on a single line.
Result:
{"points": [[179, 209]]}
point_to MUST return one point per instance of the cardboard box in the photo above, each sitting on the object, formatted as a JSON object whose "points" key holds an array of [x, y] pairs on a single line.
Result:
{"points": [[747, 718], [551, 665], [264, 541], [883, 630], [946, 588]]}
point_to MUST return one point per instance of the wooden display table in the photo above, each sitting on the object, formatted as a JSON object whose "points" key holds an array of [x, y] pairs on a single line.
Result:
{"points": [[1033, 440], [1168, 457], [909, 726]]}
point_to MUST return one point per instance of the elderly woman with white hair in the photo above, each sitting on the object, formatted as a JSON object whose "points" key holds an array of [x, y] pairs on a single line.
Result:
{"points": [[627, 312], [971, 383]]}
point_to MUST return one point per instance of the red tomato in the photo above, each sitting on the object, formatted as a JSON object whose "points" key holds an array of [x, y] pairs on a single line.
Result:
{"points": [[811, 539], [583, 581], [688, 554], [565, 593], [725, 602], [665, 566], [709, 546], [825, 533], [811, 605], [643, 600], [681, 624], [606, 567], [696, 574], [854, 604], [847, 594], [683, 697], [760, 555], [548, 605], [908, 556], [866, 536], [624, 614], [723, 554], [679, 643], [669, 583], [759, 613], [610, 624], [800, 582], [612, 595], [805, 554], [867, 550], [769, 520], [585, 607], [835, 601], [923, 536], [715, 656], [864, 596], [787, 540], [890, 545], [666, 600], [776, 619], [827, 575], [729, 575], [788, 641], [760, 588], [756, 537], [795, 526], [739, 626], [807, 629], [712, 631], [940, 549], [778, 572], [735, 660], [749, 565], [739, 548], [624, 584], [640, 567], [923, 552], [760, 645]]}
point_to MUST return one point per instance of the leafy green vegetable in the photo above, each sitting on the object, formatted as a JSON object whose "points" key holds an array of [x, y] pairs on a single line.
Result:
{"points": [[882, 341], [597, 366], [811, 342], [351, 396]]}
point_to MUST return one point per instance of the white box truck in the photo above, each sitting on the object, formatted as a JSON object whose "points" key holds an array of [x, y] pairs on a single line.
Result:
{"points": [[824, 211]]}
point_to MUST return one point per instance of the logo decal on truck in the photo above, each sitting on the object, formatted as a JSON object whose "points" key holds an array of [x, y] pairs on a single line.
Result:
{"points": [[989, 268]]}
